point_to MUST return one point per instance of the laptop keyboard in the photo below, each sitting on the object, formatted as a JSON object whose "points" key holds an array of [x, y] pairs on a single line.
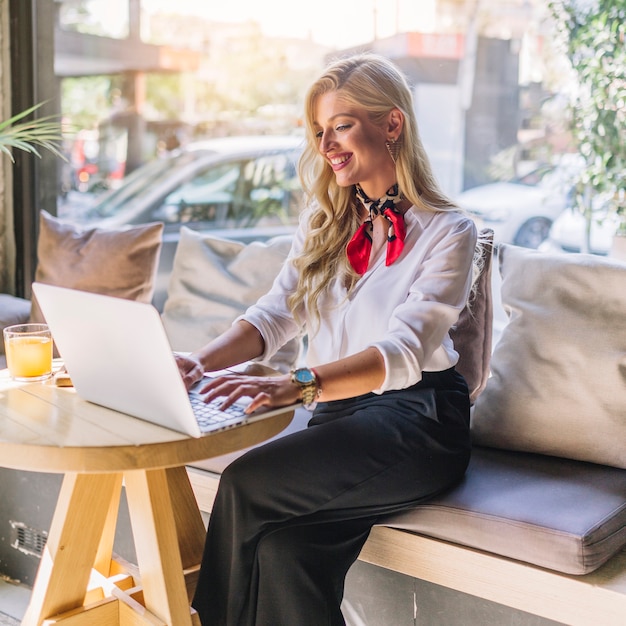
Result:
{"points": [[210, 415]]}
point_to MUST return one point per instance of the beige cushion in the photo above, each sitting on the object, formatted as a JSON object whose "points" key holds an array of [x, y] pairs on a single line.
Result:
{"points": [[213, 282], [473, 332], [559, 370], [114, 262]]}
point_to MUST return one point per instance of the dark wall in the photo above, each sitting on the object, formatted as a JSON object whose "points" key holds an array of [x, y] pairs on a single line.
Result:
{"points": [[493, 119], [26, 498], [27, 503]]}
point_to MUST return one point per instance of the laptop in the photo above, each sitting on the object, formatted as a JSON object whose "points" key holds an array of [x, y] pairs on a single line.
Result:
{"points": [[117, 354]]}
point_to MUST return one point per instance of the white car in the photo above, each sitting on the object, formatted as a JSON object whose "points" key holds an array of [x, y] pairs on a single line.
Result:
{"points": [[521, 211], [243, 188], [568, 232]]}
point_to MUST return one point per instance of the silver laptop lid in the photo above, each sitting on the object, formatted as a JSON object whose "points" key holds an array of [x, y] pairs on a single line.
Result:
{"points": [[118, 355]]}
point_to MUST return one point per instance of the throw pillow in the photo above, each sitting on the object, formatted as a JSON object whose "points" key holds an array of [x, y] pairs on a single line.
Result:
{"points": [[472, 333], [558, 384], [214, 281], [116, 262]]}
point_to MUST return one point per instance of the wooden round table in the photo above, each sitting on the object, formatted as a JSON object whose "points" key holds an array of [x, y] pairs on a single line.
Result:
{"points": [[45, 428]]}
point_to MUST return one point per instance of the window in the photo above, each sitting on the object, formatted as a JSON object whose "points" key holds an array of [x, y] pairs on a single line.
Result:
{"points": [[490, 89]]}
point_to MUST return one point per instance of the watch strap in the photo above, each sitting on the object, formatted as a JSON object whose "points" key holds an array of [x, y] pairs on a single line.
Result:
{"points": [[310, 390]]}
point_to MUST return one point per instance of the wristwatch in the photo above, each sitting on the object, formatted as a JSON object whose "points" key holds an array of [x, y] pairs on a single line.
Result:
{"points": [[309, 385]]}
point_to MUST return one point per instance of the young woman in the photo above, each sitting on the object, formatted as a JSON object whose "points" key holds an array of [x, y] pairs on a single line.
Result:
{"points": [[379, 271]]}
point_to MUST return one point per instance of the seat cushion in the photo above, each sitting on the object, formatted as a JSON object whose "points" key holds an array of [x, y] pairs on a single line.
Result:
{"points": [[565, 515]]}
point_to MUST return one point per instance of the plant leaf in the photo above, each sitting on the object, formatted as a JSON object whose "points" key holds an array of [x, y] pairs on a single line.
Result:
{"points": [[44, 132]]}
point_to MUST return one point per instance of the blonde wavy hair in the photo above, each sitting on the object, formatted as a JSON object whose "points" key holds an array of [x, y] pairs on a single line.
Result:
{"points": [[370, 82]]}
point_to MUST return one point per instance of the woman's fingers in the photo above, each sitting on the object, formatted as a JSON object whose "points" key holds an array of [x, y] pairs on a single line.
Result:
{"points": [[263, 391]]}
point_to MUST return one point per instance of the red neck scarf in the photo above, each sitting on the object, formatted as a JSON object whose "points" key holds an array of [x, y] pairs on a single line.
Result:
{"points": [[360, 246]]}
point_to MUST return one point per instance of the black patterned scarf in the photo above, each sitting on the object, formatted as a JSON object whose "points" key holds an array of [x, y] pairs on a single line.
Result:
{"points": [[360, 246]]}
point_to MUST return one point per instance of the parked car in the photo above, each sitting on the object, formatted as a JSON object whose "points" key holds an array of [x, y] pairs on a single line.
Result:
{"points": [[243, 188], [522, 211], [568, 232]]}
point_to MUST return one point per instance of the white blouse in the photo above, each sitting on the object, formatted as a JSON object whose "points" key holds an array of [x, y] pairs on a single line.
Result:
{"points": [[404, 310]]}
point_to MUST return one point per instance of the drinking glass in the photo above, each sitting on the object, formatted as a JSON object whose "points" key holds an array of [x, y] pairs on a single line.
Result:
{"points": [[28, 349]]}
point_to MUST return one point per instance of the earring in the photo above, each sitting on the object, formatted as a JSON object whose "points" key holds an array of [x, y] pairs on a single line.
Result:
{"points": [[393, 147]]}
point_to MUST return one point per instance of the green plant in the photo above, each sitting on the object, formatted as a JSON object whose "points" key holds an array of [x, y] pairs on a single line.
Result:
{"points": [[593, 34], [31, 135]]}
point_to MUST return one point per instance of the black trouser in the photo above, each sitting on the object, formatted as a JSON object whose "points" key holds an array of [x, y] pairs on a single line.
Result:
{"points": [[291, 516]]}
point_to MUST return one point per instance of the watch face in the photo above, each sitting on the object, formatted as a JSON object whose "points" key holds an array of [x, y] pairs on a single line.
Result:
{"points": [[304, 376]]}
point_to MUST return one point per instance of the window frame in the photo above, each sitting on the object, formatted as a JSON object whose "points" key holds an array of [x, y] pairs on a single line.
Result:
{"points": [[31, 28]]}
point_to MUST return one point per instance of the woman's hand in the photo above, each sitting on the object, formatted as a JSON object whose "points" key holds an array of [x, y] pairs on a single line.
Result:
{"points": [[190, 369], [270, 391]]}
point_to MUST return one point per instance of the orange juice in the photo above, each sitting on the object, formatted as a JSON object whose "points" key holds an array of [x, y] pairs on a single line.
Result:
{"points": [[29, 356]]}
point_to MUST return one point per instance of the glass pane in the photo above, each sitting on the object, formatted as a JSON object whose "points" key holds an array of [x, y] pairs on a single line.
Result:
{"points": [[108, 18], [269, 192], [136, 186], [206, 198]]}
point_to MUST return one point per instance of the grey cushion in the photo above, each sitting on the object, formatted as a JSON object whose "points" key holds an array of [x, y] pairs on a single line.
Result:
{"points": [[565, 515]]}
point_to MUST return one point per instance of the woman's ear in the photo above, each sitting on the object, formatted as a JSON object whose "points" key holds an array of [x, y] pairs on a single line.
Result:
{"points": [[395, 123]]}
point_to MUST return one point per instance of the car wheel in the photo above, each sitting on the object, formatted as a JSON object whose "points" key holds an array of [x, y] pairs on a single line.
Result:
{"points": [[533, 232]]}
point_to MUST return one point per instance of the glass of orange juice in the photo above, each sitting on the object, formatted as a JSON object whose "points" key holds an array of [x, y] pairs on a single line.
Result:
{"points": [[28, 349]]}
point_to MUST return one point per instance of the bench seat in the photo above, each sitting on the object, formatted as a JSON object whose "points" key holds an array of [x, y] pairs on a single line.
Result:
{"points": [[537, 533], [594, 599]]}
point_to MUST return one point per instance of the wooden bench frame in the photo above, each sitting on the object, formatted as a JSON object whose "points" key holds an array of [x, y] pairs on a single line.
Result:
{"points": [[595, 598]]}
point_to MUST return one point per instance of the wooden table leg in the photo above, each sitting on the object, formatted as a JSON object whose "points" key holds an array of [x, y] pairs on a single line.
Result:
{"points": [[155, 531], [73, 543], [102, 562], [169, 539], [189, 525]]}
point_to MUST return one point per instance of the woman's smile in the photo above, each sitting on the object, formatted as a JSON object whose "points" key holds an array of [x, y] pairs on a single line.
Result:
{"points": [[339, 162]]}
